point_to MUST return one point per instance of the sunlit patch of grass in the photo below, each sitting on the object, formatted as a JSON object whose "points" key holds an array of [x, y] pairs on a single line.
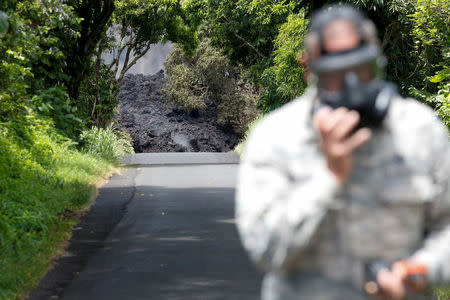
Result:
{"points": [[108, 144]]}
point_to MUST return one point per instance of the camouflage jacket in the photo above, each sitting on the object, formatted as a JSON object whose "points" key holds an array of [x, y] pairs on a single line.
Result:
{"points": [[296, 222]]}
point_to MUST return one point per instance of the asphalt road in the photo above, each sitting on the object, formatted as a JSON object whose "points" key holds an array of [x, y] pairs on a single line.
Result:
{"points": [[177, 238]]}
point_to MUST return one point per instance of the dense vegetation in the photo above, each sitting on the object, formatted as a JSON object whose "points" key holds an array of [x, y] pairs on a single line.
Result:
{"points": [[50, 158], [58, 97], [264, 38]]}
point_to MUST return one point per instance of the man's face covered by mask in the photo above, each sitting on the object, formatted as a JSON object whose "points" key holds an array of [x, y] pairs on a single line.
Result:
{"points": [[356, 88], [347, 72]]}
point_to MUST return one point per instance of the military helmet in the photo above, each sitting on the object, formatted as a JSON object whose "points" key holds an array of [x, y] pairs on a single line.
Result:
{"points": [[320, 60]]}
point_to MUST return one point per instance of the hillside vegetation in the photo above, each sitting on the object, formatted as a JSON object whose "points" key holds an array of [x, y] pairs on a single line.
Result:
{"points": [[50, 155]]}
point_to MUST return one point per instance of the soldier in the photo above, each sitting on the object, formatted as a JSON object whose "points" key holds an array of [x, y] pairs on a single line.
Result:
{"points": [[347, 179]]}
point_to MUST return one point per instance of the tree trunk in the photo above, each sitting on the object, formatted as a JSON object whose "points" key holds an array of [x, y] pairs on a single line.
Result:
{"points": [[95, 14]]}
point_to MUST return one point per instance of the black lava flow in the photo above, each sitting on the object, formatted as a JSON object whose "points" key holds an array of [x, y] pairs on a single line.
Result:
{"points": [[156, 125]]}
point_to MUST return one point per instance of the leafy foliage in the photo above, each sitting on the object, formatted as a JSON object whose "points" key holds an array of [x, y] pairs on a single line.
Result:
{"points": [[94, 16], [208, 77], [432, 45], [246, 32], [32, 61], [55, 103], [285, 80], [243, 29], [97, 101], [141, 23]]}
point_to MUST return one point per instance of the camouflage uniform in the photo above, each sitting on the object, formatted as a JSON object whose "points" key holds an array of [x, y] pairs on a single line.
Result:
{"points": [[312, 236]]}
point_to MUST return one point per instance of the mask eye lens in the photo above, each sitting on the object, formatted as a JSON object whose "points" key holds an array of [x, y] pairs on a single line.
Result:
{"points": [[332, 81], [335, 81], [364, 72]]}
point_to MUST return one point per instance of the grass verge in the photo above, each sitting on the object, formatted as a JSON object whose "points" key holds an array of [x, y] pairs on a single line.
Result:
{"points": [[45, 182]]}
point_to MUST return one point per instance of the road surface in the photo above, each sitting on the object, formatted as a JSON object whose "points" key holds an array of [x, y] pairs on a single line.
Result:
{"points": [[177, 238]]}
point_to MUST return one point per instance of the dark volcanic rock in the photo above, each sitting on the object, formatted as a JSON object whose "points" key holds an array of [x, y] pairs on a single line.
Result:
{"points": [[155, 125]]}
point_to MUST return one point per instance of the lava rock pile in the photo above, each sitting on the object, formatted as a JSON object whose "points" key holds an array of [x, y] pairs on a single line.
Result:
{"points": [[156, 125]]}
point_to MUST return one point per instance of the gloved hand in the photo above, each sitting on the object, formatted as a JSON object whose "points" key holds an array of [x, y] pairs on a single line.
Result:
{"points": [[395, 282], [338, 142]]}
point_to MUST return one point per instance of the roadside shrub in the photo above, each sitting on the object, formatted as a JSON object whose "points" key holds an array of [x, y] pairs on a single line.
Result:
{"points": [[183, 87], [108, 144], [208, 77], [55, 103], [237, 108]]}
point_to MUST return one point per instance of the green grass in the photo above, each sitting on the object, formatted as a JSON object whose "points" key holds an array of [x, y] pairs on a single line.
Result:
{"points": [[108, 144], [44, 183]]}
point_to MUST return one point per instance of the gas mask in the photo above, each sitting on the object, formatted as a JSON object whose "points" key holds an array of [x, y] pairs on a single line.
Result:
{"points": [[349, 77], [370, 99]]}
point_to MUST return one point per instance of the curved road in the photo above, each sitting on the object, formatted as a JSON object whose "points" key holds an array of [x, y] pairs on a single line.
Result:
{"points": [[177, 238]]}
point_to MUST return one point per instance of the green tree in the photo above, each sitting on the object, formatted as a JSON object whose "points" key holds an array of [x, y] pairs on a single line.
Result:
{"points": [[246, 32], [285, 80], [138, 24], [32, 61], [95, 16], [133, 28], [243, 29]]}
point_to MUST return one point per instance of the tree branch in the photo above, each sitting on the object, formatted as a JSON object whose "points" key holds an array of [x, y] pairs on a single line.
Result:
{"points": [[132, 63], [248, 44], [245, 42]]}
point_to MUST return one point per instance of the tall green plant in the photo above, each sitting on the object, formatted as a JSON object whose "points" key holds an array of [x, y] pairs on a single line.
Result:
{"points": [[55, 103], [97, 101], [108, 144], [432, 46], [94, 16], [285, 80]]}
